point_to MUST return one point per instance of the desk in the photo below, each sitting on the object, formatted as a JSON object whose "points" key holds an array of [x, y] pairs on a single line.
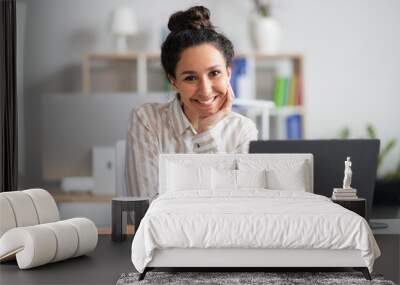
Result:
{"points": [[104, 265]]}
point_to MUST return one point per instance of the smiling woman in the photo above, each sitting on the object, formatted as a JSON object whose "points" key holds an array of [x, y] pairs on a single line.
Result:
{"points": [[197, 62], [204, 90]]}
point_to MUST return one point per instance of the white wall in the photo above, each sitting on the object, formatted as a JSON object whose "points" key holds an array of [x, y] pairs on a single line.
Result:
{"points": [[351, 48], [352, 64]]}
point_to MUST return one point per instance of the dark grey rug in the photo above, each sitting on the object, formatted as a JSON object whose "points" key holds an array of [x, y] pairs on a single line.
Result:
{"points": [[229, 278]]}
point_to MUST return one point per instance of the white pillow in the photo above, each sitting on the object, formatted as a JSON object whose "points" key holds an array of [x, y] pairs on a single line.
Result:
{"points": [[291, 176], [224, 179], [182, 177], [251, 178]]}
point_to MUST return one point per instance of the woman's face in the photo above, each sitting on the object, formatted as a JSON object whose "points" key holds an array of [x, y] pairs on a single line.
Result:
{"points": [[202, 80]]}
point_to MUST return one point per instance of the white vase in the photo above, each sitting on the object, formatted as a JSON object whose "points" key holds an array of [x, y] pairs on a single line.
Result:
{"points": [[267, 34]]}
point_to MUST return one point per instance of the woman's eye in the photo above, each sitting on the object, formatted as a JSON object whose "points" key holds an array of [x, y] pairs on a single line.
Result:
{"points": [[190, 78], [215, 73]]}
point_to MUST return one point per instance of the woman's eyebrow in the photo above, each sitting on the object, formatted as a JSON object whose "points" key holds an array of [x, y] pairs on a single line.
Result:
{"points": [[194, 72], [188, 72], [214, 66]]}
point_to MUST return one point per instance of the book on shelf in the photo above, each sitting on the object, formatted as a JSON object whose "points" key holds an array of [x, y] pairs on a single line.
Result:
{"points": [[292, 91], [284, 91], [238, 68], [293, 127], [299, 92], [345, 194], [279, 91], [340, 193], [242, 78], [287, 91], [344, 197], [343, 191]]}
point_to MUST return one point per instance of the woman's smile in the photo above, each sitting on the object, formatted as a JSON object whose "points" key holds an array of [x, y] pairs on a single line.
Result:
{"points": [[206, 103]]}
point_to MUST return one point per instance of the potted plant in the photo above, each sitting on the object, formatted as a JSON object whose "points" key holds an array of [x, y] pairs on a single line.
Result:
{"points": [[387, 186], [267, 33]]}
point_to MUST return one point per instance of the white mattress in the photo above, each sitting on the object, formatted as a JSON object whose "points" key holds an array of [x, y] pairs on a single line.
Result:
{"points": [[252, 218]]}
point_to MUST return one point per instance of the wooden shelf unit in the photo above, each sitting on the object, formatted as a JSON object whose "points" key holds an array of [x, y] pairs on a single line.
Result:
{"points": [[148, 77], [141, 60]]}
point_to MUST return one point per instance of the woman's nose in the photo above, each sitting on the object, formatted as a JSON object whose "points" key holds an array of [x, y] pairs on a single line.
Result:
{"points": [[205, 87]]}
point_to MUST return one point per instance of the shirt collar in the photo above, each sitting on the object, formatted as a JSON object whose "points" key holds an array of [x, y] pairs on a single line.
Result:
{"points": [[178, 118]]}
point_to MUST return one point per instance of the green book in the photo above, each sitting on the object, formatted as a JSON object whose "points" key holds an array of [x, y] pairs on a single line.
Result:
{"points": [[286, 89], [279, 91]]}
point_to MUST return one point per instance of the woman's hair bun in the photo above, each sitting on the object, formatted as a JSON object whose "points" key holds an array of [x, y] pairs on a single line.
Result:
{"points": [[195, 18]]}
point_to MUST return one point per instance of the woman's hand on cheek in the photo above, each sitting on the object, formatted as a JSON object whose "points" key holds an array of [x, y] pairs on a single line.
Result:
{"points": [[208, 122]]}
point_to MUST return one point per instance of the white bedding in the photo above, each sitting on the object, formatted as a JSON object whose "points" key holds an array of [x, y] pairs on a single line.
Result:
{"points": [[251, 218]]}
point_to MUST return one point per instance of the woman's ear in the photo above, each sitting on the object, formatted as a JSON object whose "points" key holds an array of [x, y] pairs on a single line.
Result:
{"points": [[173, 82], [229, 71]]}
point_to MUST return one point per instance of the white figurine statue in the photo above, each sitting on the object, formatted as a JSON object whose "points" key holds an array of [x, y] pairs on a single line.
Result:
{"points": [[347, 174]]}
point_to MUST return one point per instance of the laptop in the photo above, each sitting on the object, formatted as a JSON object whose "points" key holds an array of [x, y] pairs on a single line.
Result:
{"points": [[329, 157]]}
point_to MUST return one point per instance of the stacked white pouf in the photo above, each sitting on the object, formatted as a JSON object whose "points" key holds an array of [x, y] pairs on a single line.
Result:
{"points": [[30, 230]]}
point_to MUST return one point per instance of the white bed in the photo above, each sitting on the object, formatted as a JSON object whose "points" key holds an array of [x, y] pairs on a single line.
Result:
{"points": [[230, 210]]}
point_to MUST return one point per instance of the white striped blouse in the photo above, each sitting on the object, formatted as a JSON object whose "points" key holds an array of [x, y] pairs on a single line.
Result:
{"points": [[163, 128]]}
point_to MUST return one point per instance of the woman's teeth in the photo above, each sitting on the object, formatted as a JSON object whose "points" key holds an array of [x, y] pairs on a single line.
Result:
{"points": [[206, 102]]}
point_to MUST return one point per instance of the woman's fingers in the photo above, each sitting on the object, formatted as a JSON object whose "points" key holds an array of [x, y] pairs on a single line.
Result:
{"points": [[231, 91], [230, 97], [228, 100], [226, 104], [210, 121]]}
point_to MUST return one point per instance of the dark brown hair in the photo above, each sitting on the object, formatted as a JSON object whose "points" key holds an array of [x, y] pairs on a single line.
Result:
{"points": [[191, 28]]}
